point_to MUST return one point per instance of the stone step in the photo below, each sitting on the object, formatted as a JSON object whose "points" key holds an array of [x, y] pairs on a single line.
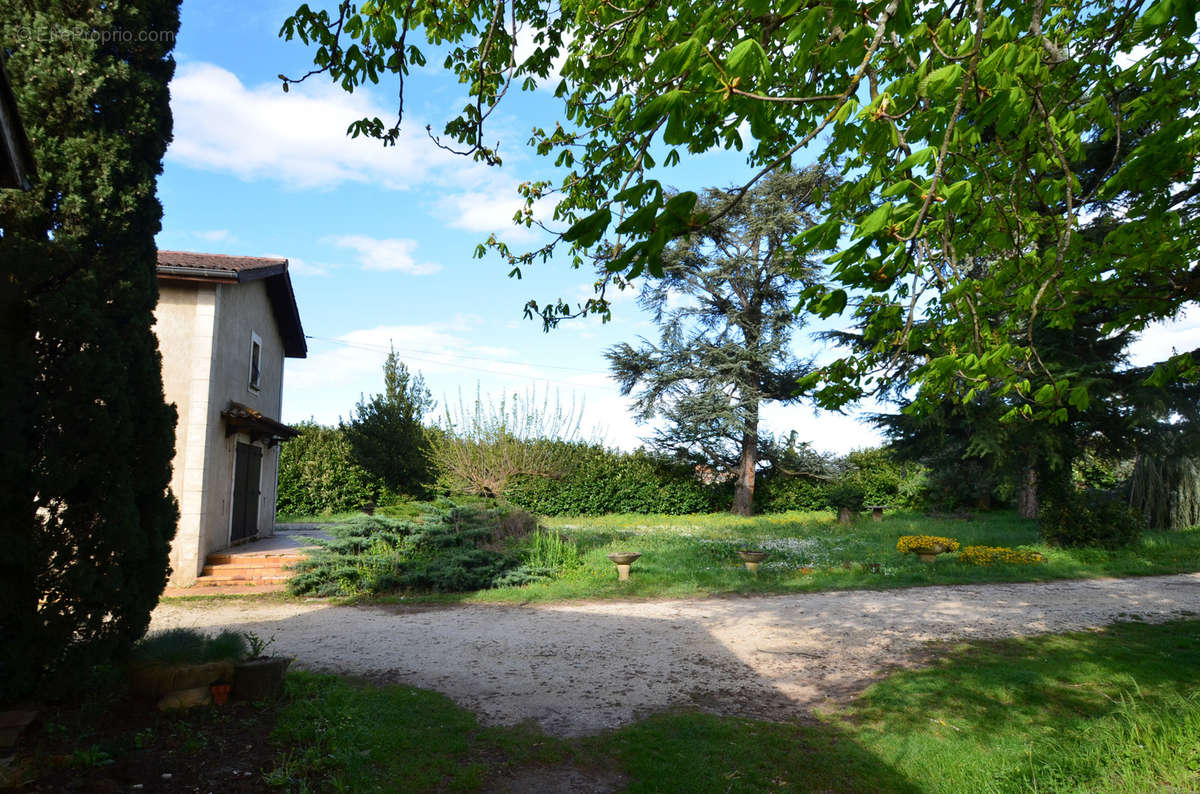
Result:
{"points": [[235, 576], [248, 568], [225, 588], [226, 558]]}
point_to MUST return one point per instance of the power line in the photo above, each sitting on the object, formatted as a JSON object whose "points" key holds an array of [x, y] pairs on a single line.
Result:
{"points": [[469, 368], [455, 355]]}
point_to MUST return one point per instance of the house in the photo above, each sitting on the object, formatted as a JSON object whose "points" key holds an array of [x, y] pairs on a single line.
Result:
{"points": [[224, 326]]}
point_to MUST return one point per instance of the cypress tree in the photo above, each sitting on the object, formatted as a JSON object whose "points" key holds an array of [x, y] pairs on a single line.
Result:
{"points": [[385, 433], [88, 437]]}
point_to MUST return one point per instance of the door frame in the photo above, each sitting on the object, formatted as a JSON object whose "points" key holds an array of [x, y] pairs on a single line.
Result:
{"points": [[237, 441]]}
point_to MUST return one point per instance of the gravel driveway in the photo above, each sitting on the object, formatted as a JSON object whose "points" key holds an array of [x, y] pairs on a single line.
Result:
{"points": [[583, 668]]}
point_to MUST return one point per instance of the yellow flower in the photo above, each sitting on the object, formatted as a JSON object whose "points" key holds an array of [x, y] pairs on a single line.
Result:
{"points": [[986, 555], [921, 543]]}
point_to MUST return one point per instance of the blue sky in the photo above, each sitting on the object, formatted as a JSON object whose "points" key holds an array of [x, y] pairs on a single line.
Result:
{"points": [[381, 240]]}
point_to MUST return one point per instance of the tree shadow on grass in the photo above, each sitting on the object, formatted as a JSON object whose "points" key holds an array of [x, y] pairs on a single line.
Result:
{"points": [[1039, 680]]}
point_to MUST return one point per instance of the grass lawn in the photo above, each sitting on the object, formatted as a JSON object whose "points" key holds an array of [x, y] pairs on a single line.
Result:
{"points": [[1116, 710], [696, 555]]}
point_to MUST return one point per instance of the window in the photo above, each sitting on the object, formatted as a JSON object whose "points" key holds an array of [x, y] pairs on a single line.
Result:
{"points": [[255, 361]]}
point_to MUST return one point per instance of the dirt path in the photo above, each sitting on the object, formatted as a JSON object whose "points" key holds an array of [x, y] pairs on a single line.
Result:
{"points": [[585, 668]]}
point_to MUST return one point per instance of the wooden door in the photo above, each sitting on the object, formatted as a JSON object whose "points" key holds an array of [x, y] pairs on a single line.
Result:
{"points": [[247, 468]]}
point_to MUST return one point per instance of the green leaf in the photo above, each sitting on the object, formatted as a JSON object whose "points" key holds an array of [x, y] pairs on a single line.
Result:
{"points": [[680, 205], [919, 157], [678, 59], [875, 221], [746, 59], [830, 303], [587, 231], [898, 189], [939, 79], [635, 193], [639, 221]]}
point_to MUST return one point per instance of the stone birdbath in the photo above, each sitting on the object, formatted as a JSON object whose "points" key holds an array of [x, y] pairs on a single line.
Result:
{"points": [[752, 559], [929, 553], [623, 560]]}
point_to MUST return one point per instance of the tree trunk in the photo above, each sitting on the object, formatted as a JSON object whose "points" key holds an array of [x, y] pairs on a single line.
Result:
{"points": [[743, 489], [1027, 499], [1167, 490]]}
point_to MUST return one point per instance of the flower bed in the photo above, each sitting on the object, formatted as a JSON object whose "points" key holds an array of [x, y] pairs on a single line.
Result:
{"points": [[991, 555], [925, 544]]}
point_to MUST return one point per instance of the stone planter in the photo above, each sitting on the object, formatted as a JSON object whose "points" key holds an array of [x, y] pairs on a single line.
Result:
{"points": [[260, 679], [156, 680]]}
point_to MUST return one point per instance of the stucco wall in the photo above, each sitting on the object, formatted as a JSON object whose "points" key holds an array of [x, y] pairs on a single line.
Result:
{"points": [[204, 333], [245, 310], [185, 321]]}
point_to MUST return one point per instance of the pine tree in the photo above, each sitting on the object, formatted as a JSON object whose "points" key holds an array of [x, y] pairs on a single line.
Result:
{"points": [[386, 434], [88, 438], [725, 310]]}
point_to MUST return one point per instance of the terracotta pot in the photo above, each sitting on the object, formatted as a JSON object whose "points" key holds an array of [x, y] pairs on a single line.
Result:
{"points": [[220, 693]]}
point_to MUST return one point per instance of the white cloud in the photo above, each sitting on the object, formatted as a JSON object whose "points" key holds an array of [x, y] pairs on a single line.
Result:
{"points": [[1161, 340], [452, 356], [302, 267], [298, 138], [394, 253], [215, 235], [525, 48], [489, 209]]}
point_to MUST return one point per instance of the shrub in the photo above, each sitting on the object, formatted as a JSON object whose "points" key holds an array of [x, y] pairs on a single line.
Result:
{"points": [[985, 556], [886, 480], [480, 449], [846, 493], [607, 481], [1089, 518], [777, 494], [183, 646], [317, 474], [452, 548]]}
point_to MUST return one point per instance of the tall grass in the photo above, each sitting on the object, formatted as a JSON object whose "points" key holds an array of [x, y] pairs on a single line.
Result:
{"points": [[550, 550]]}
